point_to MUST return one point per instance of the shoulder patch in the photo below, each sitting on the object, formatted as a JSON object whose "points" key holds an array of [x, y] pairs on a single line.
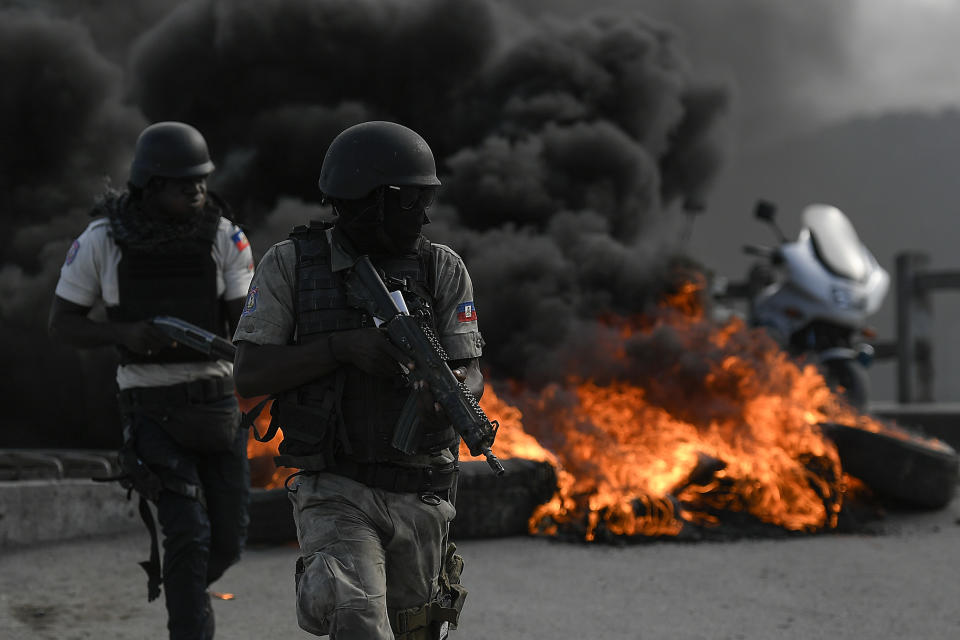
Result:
{"points": [[72, 253], [466, 312], [240, 240], [251, 304]]}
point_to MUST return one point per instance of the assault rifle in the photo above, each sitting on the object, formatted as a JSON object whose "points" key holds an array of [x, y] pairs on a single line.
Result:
{"points": [[430, 360], [190, 335]]}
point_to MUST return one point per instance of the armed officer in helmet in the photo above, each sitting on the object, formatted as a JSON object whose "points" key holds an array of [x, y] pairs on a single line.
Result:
{"points": [[372, 521], [163, 247]]}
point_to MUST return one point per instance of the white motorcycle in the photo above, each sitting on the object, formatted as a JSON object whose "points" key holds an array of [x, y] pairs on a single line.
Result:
{"points": [[814, 295]]}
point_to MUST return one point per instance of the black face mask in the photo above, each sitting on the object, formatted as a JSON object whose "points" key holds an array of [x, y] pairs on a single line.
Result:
{"points": [[360, 222], [389, 223], [401, 230]]}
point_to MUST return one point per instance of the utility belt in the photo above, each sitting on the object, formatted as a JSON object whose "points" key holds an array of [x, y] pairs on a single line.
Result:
{"points": [[201, 416], [389, 477], [202, 391]]}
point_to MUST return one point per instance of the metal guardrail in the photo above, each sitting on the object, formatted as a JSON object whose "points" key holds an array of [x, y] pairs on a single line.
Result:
{"points": [[914, 285], [56, 464]]}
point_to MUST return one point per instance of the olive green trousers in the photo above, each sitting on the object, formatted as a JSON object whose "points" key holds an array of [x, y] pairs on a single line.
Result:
{"points": [[365, 553]]}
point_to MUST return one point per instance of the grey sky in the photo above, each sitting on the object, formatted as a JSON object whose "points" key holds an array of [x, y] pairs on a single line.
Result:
{"points": [[903, 55], [794, 66]]}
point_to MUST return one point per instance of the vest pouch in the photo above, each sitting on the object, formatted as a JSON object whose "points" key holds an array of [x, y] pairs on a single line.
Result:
{"points": [[309, 424], [205, 427]]}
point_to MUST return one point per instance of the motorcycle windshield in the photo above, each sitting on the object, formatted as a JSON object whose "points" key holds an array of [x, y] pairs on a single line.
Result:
{"points": [[836, 241]]}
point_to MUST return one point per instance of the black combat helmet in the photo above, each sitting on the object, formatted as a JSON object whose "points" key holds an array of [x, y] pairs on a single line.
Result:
{"points": [[169, 150], [373, 154]]}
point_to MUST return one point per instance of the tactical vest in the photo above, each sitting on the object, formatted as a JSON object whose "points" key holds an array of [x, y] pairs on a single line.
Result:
{"points": [[347, 416], [181, 282]]}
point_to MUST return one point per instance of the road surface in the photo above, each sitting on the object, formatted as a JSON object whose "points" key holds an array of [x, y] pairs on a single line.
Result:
{"points": [[899, 584]]}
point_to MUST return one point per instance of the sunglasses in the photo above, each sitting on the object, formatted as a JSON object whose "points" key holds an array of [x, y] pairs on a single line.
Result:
{"points": [[413, 197]]}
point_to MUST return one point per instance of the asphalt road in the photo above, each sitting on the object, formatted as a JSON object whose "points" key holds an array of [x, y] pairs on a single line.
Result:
{"points": [[901, 583]]}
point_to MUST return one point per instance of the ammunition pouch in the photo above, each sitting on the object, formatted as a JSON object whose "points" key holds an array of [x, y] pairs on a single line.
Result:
{"points": [[452, 593], [424, 623], [307, 426], [313, 428]]}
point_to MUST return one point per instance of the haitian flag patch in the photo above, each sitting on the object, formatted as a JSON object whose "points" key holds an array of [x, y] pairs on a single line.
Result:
{"points": [[466, 312], [240, 239]]}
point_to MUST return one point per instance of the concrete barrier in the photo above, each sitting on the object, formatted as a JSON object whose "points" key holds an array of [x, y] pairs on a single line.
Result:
{"points": [[33, 511], [937, 419]]}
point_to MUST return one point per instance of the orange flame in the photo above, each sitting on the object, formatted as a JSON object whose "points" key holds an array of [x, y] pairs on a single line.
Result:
{"points": [[647, 457], [263, 473], [645, 460]]}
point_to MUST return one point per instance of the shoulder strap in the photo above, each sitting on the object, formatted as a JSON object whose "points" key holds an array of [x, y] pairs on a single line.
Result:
{"points": [[312, 250], [250, 417], [428, 264]]}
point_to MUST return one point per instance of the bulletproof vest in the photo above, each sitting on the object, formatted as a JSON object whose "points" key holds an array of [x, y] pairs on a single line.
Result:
{"points": [[347, 414], [180, 281]]}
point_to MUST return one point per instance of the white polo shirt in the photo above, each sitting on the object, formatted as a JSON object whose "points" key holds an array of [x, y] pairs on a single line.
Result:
{"points": [[89, 275]]}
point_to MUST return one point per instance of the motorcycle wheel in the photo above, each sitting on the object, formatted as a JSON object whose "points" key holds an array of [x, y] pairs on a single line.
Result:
{"points": [[849, 378], [907, 468]]}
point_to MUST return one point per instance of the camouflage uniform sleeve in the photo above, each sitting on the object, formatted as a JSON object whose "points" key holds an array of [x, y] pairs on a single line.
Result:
{"points": [[268, 312], [456, 313]]}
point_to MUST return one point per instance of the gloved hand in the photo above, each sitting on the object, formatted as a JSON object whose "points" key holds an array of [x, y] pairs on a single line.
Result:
{"points": [[143, 338], [369, 350], [430, 409]]}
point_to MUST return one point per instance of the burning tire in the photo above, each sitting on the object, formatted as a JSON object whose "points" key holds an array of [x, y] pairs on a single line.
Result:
{"points": [[909, 469], [271, 517], [489, 506]]}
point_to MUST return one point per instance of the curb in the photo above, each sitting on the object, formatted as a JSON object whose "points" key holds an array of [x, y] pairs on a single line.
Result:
{"points": [[34, 511]]}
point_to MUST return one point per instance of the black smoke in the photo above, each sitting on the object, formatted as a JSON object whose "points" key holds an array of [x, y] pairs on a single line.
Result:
{"points": [[782, 60], [566, 147]]}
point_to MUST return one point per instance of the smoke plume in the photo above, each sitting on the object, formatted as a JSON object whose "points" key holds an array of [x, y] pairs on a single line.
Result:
{"points": [[564, 146], [787, 64]]}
